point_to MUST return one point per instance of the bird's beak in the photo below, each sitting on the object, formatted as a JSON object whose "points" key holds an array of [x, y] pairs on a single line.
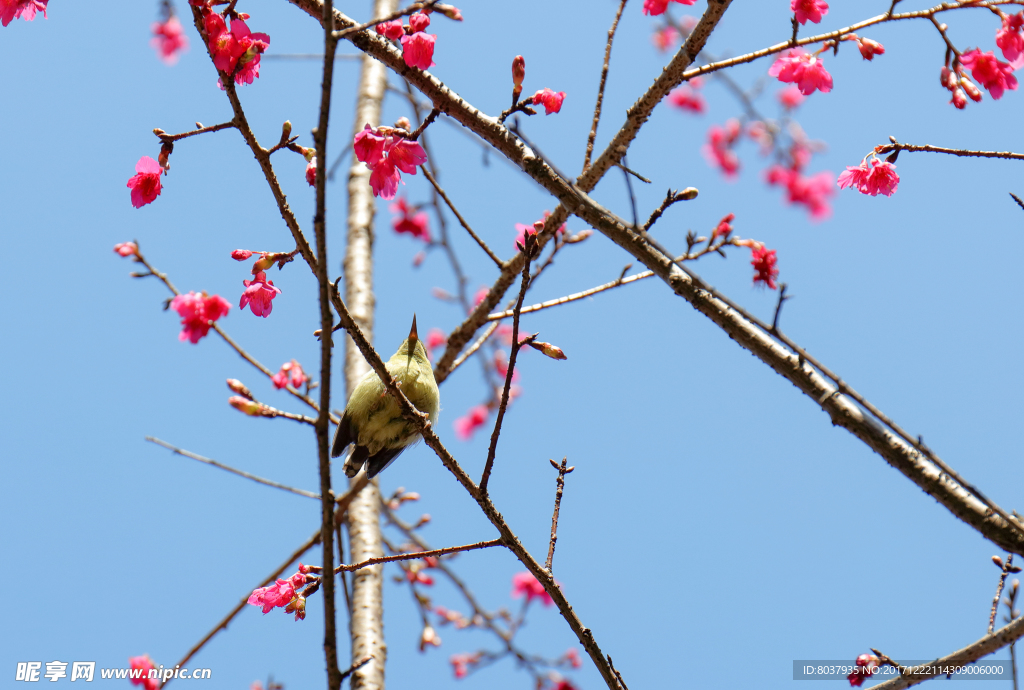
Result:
{"points": [[413, 337]]}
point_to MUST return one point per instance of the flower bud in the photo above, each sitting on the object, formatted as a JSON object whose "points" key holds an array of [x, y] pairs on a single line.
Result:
{"points": [[552, 351], [246, 406], [298, 607], [403, 123], [945, 78], [241, 254], [450, 11], [959, 99], [263, 263], [419, 22], [126, 248], [972, 91], [998, 561], [237, 386], [688, 194], [518, 71], [429, 637], [286, 130]]}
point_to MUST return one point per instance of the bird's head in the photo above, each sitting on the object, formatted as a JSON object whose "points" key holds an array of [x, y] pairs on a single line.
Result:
{"points": [[412, 347]]}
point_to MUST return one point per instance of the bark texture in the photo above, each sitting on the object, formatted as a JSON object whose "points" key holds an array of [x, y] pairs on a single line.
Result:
{"points": [[363, 517]]}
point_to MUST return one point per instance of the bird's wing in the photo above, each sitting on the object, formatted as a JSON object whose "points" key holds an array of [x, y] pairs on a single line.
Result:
{"points": [[376, 464], [343, 436]]}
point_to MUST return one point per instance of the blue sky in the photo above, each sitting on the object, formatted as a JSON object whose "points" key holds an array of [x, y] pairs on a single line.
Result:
{"points": [[717, 527]]}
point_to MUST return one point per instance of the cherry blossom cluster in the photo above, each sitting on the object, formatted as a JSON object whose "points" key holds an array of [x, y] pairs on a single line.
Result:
{"points": [[812, 191], [145, 183], [235, 49], [656, 7], [260, 292], [169, 38], [198, 312], [867, 664], [410, 219], [284, 594], [687, 96], [26, 9], [762, 259], [387, 153], [290, 373], [417, 45], [143, 665], [874, 178]]}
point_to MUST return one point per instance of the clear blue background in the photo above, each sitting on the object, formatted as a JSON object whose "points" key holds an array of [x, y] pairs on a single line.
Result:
{"points": [[717, 526]]}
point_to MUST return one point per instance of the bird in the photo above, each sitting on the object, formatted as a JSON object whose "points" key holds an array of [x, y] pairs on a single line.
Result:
{"points": [[373, 420]]}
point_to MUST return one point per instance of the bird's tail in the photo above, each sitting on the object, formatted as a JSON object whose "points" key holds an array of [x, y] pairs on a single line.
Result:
{"points": [[355, 460]]}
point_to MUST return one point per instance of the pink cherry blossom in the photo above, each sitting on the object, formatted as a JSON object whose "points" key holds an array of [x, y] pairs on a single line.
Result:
{"points": [[501, 365], [145, 184], [387, 156], [1009, 38], [796, 66], [765, 271], [311, 171], [665, 38], [867, 664], [461, 663], [169, 39], [573, 657], [241, 254], [435, 338], [869, 49], [474, 419], [279, 594], [392, 30], [878, 178], [718, 151], [812, 10], [551, 100], [144, 664], [259, 293], [419, 22], [198, 311], [234, 46], [525, 584], [724, 226], [790, 97], [26, 9], [410, 220], [126, 248], [656, 7], [686, 98], [991, 72], [418, 50], [813, 192]]}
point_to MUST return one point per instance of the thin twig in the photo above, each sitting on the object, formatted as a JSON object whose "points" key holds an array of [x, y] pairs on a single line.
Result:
{"points": [[592, 137], [559, 483], [169, 138], [240, 473], [418, 554], [629, 190], [778, 307], [573, 297], [671, 197], [927, 148], [1017, 199], [356, 666], [431, 116], [462, 221], [474, 347], [529, 249], [1006, 566]]}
